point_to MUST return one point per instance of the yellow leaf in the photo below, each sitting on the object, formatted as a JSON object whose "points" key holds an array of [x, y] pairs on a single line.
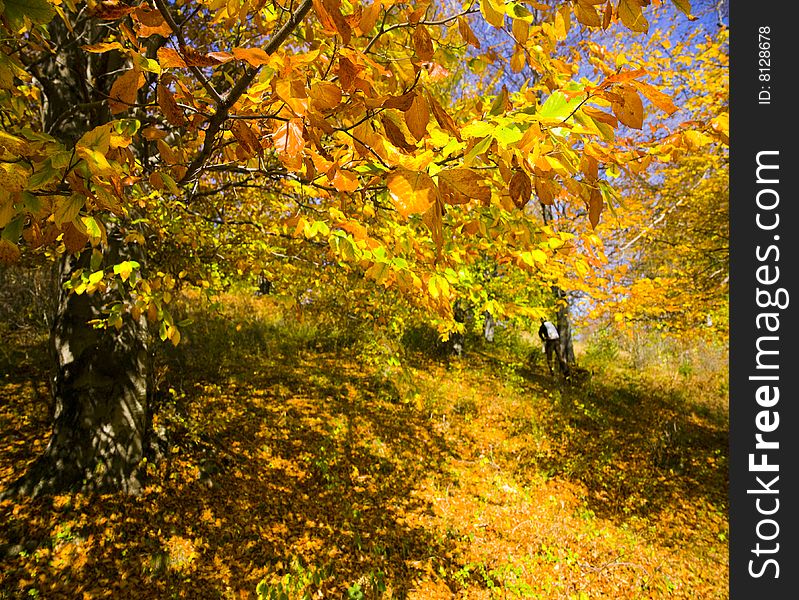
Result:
{"points": [[493, 13], [68, 208], [632, 16], [412, 192]]}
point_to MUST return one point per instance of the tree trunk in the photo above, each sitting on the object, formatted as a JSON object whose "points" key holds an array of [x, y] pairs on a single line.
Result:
{"points": [[564, 326], [100, 375], [99, 395], [563, 307]]}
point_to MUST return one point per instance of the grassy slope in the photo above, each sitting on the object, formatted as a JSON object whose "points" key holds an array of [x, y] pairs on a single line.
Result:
{"points": [[294, 462]]}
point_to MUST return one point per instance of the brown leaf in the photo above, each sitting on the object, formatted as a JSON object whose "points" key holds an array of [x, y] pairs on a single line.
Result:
{"points": [[395, 135], [74, 240], [402, 102], [245, 136], [194, 58], [347, 72], [417, 116], [422, 43], [172, 112], [110, 10], [606, 16], [461, 185], [433, 218], [520, 189], [587, 15], [9, 252], [595, 206], [124, 90]]}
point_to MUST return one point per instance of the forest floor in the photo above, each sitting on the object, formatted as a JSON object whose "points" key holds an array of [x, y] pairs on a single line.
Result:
{"points": [[295, 468]]}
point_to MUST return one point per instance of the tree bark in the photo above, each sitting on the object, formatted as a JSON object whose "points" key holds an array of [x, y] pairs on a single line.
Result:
{"points": [[100, 378], [563, 308], [564, 326]]}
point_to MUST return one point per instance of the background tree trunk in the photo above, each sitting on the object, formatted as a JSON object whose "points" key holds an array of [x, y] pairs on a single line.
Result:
{"points": [[100, 375], [563, 308], [564, 326]]}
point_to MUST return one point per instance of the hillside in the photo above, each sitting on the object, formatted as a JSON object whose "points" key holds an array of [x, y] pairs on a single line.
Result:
{"points": [[293, 464]]}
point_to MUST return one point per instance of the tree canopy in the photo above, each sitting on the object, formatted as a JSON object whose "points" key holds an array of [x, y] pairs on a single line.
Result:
{"points": [[388, 142]]}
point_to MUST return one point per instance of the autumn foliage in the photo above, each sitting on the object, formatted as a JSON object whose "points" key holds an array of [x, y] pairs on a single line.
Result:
{"points": [[382, 169]]}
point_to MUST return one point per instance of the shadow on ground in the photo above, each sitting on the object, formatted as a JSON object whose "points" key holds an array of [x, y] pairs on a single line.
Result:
{"points": [[638, 447], [296, 472]]}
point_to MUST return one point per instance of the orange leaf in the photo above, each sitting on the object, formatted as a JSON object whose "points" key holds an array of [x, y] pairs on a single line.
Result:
{"points": [[412, 192], [656, 97], [123, 91], [149, 22], [254, 56], [422, 43], [325, 95], [600, 116], [630, 110], [417, 116], [345, 181], [288, 139], [369, 17], [169, 106], [169, 58]]}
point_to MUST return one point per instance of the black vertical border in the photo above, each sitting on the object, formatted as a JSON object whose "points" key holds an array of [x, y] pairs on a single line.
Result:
{"points": [[756, 127]]}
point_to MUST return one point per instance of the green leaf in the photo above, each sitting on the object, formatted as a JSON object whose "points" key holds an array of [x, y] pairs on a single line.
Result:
{"points": [[478, 148], [558, 106], [12, 231], [68, 208], [39, 12], [508, 135]]}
